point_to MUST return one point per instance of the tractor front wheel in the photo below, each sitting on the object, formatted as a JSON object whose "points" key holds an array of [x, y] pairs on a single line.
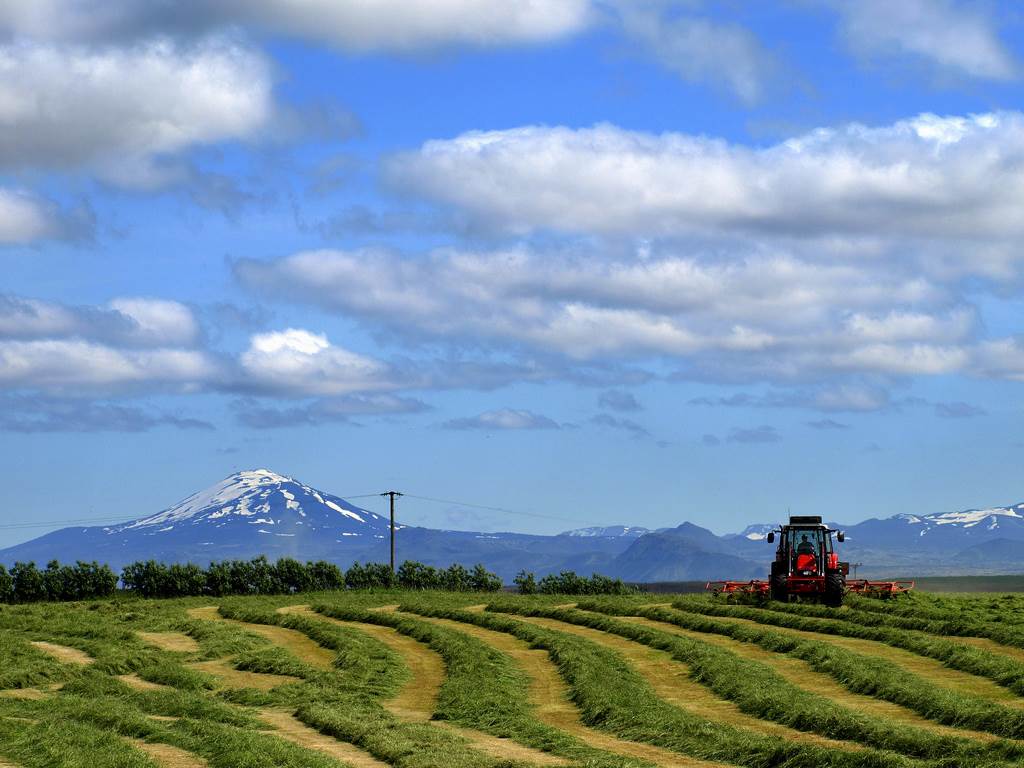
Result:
{"points": [[835, 586], [778, 588]]}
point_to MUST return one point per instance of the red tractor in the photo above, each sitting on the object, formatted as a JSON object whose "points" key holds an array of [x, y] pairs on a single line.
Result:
{"points": [[805, 564]]}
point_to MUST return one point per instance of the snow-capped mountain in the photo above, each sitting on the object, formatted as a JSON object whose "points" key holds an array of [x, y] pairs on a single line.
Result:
{"points": [[609, 531], [275, 505], [247, 514], [985, 519]]}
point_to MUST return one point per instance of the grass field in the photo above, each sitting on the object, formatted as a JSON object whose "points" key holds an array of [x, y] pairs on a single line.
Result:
{"points": [[457, 680]]}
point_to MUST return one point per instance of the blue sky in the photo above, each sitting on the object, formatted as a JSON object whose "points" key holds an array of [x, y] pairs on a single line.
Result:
{"points": [[591, 262]]}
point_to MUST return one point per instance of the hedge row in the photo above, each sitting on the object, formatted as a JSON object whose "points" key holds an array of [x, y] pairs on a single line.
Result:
{"points": [[569, 583], [25, 583]]}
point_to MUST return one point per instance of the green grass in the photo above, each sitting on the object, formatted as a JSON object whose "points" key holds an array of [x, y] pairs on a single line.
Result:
{"points": [[93, 718], [867, 675], [1005, 671], [759, 691]]}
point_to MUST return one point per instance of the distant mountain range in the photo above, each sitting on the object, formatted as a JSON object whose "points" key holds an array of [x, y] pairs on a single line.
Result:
{"points": [[259, 512]]}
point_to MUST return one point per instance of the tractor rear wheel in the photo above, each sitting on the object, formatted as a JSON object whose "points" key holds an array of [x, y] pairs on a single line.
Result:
{"points": [[835, 586]]}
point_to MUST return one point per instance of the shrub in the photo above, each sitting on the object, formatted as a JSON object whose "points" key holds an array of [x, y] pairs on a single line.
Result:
{"points": [[414, 575], [27, 583], [526, 583], [6, 586], [483, 580], [569, 583], [324, 576]]}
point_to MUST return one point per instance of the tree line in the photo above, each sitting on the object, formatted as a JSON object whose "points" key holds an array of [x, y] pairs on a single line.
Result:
{"points": [[570, 583], [25, 583]]}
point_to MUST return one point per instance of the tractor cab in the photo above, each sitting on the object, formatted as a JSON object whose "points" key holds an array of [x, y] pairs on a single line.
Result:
{"points": [[806, 565]]}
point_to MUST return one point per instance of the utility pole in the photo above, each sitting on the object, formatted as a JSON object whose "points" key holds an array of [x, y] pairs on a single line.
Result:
{"points": [[392, 494]]}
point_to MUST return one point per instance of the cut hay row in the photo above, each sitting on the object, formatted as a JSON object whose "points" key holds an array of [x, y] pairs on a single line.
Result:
{"points": [[859, 673], [941, 657], [550, 698], [614, 698], [671, 681], [418, 698], [802, 675], [759, 692], [998, 636], [287, 726]]}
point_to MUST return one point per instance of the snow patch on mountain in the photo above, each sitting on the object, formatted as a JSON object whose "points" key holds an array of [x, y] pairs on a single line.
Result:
{"points": [[609, 531]]}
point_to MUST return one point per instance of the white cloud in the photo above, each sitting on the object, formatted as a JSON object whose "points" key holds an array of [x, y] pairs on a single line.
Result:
{"points": [[769, 316], [127, 321], [298, 362], [23, 218], [503, 419], [700, 50], [955, 36], [123, 111], [351, 25], [1003, 358], [158, 322], [70, 365], [927, 177]]}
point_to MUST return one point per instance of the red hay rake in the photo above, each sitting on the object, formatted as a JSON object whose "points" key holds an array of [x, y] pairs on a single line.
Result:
{"points": [[760, 589], [754, 588], [879, 589]]}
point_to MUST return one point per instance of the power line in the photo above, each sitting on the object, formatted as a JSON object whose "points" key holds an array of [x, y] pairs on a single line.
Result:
{"points": [[496, 509]]}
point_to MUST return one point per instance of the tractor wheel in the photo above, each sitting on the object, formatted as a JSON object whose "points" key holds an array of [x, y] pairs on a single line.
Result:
{"points": [[779, 591], [835, 586]]}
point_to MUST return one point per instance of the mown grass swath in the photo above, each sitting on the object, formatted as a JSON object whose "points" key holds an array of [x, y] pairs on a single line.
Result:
{"points": [[96, 718], [348, 706], [483, 688], [935, 623], [614, 698], [859, 673], [758, 690], [1003, 670]]}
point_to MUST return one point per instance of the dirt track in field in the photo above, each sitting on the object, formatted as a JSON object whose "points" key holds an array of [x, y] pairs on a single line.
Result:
{"points": [[929, 669], [169, 641], [671, 682], [802, 675], [167, 756], [294, 730], [229, 677], [64, 654], [550, 697], [139, 684], [28, 694]]}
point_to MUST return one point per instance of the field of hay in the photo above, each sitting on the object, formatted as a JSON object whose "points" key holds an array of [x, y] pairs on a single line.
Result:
{"points": [[457, 680]]}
